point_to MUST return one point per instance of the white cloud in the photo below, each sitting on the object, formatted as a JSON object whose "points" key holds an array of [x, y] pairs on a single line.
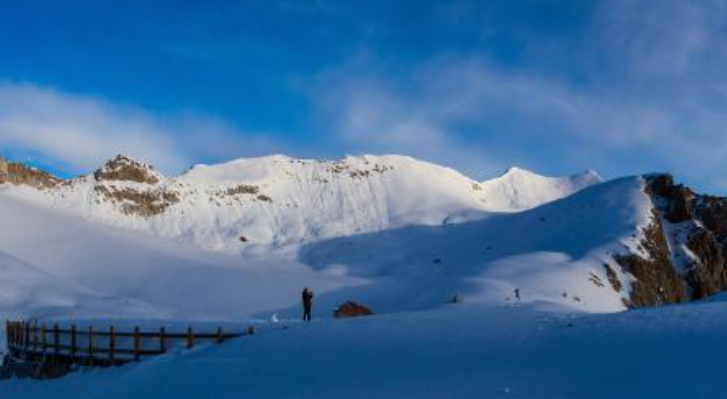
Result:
{"points": [[654, 98], [83, 132]]}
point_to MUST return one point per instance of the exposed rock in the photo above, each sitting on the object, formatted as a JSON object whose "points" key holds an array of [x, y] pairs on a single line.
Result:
{"points": [[596, 280], [712, 212], [144, 203], [3, 170], [674, 200], [699, 274], [243, 189], [657, 282], [123, 168], [613, 278], [21, 175], [708, 276], [352, 309]]}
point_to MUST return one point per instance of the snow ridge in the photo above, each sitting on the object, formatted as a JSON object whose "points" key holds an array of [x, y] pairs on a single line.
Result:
{"points": [[250, 204]]}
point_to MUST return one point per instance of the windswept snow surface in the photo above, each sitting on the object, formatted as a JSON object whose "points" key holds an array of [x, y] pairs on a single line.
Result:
{"points": [[27, 290], [285, 201], [403, 247], [554, 253], [459, 352], [179, 280], [520, 189]]}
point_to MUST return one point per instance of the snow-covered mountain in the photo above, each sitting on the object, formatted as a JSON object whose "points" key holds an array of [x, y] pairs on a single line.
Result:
{"points": [[53, 264], [392, 231], [519, 189], [247, 204], [464, 276]]}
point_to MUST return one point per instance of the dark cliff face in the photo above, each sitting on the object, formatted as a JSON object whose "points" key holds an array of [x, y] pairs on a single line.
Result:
{"points": [[657, 281], [686, 244]]}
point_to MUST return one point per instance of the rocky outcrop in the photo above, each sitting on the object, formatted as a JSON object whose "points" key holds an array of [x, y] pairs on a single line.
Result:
{"points": [[657, 282], [712, 212], [352, 309], [138, 202], [123, 168], [686, 246], [708, 275], [21, 175], [146, 200], [674, 201], [3, 170]]}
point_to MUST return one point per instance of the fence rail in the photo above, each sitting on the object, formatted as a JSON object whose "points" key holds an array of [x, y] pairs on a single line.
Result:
{"points": [[39, 344]]}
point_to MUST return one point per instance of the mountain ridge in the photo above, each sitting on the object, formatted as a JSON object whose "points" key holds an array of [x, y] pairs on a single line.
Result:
{"points": [[277, 200], [418, 233]]}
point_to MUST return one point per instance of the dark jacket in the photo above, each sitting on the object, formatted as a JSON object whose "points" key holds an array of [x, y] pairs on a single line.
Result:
{"points": [[307, 298]]}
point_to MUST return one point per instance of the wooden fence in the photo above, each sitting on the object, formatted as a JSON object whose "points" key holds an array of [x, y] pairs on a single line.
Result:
{"points": [[40, 344]]}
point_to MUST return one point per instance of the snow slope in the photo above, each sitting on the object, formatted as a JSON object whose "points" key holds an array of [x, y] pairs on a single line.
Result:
{"points": [[178, 280], [278, 201], [27, 291], [554, 253], [413, 257], [559, 248], [459, 352], [519, 189]]}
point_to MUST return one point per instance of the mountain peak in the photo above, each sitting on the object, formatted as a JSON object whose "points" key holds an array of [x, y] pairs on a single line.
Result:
{"points": [[587, 176], [517, 171], [519, 189], [125, 168]]}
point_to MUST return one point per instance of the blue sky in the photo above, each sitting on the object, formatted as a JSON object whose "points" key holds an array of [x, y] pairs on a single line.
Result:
{"points": [[620, 86]]}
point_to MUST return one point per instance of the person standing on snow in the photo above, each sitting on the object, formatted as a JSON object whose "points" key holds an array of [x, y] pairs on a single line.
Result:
{"points": [[307, 303]]}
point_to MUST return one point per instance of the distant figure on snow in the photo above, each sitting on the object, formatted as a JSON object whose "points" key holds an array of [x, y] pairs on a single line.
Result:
{"points": [[517, 294], [307, 303]]}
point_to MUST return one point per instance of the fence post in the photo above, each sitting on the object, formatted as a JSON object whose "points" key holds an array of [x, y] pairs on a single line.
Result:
{"points": [[27, 335], [163, 340], [43, 341], [35, 341], [137, 344], [112, 345], [35, 337], [10, 333], [190, 338], [90, 346], [56, 342], [219, 335], [74, 343]]}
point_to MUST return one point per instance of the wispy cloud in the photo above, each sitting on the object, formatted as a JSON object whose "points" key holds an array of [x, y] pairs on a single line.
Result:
{"points": [[626, 86], [655, 98], [83, 131]]}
